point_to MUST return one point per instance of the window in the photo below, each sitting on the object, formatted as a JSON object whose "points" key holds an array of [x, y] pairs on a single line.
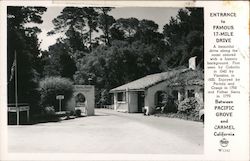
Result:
{"points": [[159, 98], [191, 93], [175, 94], [182, 94], [121, 97]]}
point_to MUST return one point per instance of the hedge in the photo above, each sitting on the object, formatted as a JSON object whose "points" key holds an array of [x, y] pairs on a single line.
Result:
{"points": [[50, 87]]}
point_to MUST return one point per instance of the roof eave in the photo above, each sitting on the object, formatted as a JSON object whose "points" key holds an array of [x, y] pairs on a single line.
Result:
{"points": [[124, 90]]}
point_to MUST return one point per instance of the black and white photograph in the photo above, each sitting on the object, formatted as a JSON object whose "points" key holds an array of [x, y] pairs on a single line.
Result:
{"points": [[124, 80], [109, 80]]}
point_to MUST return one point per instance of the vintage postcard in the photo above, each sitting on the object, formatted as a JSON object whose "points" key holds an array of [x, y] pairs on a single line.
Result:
{"points": [[124, 80]]}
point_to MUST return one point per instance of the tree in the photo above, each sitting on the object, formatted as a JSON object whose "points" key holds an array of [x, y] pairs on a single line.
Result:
{"points": [[129, 26], [132, 29], [148, 33], [82, 21], [148, 25], [92, 20], [59, 61], [112, 66], [184, 35], [116, 34], [75, 40], [118, 64], [24, 42], [105, 23], [69, 17]]}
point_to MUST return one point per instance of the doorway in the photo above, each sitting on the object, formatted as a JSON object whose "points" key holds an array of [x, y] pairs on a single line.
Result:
{"points": [[141, 101]]}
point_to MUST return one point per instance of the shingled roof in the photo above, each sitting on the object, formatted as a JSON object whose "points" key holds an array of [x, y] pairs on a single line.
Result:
{"points": [[148, 81]]}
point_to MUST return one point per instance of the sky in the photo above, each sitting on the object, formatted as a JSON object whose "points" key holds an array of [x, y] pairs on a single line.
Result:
{"points": [[159, 15]]}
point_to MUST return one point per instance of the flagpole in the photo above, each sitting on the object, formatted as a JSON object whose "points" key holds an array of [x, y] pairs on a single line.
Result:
{"points": [[16, 96]]}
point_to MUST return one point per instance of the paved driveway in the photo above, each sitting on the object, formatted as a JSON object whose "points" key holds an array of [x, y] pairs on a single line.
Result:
{"points": [[109, 132]]}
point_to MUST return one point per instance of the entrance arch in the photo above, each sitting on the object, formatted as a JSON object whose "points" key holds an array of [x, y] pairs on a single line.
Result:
{"points": [[83, 98]]}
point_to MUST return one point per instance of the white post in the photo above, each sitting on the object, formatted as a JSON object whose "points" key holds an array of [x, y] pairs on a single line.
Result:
{"points": [[115, 101], [60, 104], [86, 108], [179, 96], [28, 115], [17, 116], [128, 101]]}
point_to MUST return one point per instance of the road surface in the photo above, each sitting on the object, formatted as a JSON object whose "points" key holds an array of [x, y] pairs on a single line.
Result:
{"points": [[109, 132]]}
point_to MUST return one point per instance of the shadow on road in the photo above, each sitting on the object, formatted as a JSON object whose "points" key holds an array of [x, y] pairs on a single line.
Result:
{"points": [[101, 115]]}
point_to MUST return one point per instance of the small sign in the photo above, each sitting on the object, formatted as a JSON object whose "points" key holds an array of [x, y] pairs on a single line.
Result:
{"points": [[12, 109], [21, 108], [60, 97], [80, 104], [24, 108]]}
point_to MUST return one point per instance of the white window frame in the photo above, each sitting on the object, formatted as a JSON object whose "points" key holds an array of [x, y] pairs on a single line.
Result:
{"points": [[124, 96]]}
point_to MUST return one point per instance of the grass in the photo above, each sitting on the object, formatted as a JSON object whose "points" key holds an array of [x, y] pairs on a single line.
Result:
{"points": [[183, 116], [42, 118]]}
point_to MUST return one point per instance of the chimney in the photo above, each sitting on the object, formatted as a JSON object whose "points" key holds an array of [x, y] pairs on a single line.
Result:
{"points": [[192, 63]]}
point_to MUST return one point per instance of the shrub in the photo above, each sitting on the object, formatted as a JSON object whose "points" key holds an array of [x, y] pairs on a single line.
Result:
{"points": [[50, 87], [189, 106], [71, 113], [188, 109], [49, 110], [78, 113], [170, 106]]}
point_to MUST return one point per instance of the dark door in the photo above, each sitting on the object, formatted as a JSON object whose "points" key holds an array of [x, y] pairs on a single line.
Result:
{"points": [[141, 98]]}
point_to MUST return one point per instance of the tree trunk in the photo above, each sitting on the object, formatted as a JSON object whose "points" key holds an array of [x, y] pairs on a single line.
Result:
{"points": [[90, 38]]}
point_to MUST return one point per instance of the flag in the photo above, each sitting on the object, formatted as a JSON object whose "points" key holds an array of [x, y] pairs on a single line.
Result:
{"points": [[12, 71]]}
